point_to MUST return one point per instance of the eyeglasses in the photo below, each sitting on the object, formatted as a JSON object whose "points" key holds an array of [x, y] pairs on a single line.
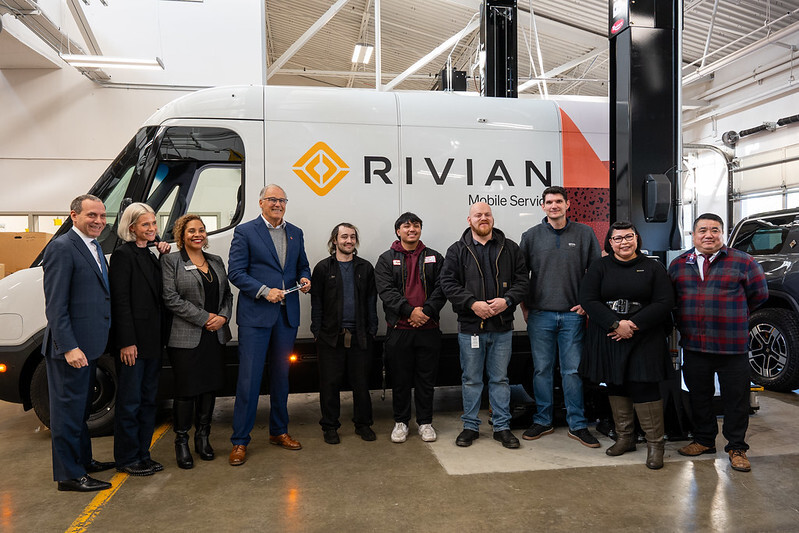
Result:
{"points": [[626, 238], [273, 200]]}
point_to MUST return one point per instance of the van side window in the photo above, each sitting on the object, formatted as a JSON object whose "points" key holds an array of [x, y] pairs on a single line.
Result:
{"points": [[764, 236], [200, 171]]}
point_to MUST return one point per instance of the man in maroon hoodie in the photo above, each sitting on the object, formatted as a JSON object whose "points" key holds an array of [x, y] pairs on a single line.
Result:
{"points": [[407, 282]]}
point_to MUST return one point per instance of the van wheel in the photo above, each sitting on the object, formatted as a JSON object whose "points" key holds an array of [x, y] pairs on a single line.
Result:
{"points": [[774, 349], [101, 416]]}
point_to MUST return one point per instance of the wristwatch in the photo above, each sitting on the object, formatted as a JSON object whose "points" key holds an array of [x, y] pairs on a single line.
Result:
{"points": [[615, 326], [508, 302]]}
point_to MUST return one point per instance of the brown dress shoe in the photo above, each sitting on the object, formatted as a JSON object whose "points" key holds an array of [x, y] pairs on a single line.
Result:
{"points": [[238, 456], [694, 449], [739, 461], [286, 441]]}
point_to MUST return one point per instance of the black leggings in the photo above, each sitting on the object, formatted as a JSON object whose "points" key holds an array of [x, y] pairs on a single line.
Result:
{"points": [[638, 391]]}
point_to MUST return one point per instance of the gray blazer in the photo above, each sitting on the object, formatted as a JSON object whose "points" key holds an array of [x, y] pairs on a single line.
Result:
{"points": [[184, 297]]}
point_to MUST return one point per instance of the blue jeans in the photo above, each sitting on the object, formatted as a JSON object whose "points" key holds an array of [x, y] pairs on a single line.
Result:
{"points": [[493, 355], [552, 333]]}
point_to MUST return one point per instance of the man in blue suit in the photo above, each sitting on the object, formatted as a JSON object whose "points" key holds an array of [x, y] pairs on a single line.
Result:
{"points": [[78, 310], [267, 256]]}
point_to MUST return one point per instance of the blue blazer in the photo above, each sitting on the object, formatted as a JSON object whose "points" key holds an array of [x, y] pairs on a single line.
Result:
{"points": [[77, 299], [253, 263]]}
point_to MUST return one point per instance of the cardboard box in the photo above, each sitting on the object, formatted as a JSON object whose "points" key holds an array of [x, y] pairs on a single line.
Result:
{"points": [[18, 250], [2, 271]]}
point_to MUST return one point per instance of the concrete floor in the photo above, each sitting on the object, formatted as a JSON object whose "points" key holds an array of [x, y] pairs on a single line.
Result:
{"points": [[553, 484]]}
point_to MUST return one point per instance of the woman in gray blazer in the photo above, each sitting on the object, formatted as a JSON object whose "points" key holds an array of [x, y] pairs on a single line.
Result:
{"points": [[197, 293]]}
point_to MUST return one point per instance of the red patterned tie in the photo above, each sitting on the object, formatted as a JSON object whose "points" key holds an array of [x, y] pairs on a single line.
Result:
{"points": [[706, 266]]}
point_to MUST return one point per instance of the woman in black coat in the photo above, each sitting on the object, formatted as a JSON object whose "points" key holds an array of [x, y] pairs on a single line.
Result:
{"points": [[136, 322], [628, 298]]}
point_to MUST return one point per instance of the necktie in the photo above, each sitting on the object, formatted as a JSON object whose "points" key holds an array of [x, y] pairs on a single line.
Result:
{"points": [[99, 253], [706, 266]]}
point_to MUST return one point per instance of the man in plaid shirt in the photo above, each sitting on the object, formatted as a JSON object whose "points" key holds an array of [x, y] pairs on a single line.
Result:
{"points": [[716, 288]]}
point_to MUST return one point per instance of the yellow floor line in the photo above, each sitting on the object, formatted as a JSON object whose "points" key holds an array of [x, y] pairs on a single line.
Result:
{"points": [[82, 522]]}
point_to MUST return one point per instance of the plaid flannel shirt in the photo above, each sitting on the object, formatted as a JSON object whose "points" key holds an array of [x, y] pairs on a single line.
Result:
{"points": [[713, 315]]}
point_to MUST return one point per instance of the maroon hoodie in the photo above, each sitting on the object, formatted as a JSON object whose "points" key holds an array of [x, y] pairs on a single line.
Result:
{"points": [[414, 290]]}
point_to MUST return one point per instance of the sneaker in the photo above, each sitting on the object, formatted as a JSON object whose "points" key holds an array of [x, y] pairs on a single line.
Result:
{"points": [[366, 433], [400, 432], [467, 437], [584, 437], [507, 439], [427, 433], [536, 431], [694, 449], [331, 436], [738, 461]]}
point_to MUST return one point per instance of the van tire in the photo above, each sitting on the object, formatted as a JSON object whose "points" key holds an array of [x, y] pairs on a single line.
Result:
{"points": [[774, 349], [101, 418]]}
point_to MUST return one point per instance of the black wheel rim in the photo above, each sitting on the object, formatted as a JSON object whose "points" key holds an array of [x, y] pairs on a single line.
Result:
{"points": [[103, 394], [768, 351]]}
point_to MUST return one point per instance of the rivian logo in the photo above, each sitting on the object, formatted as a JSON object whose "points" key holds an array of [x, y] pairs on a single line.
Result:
{"points": [[321, 168]]}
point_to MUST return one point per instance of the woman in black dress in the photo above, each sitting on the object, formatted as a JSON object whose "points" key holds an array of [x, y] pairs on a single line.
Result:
{"points": [[197, 293], [628, 298], [136, 322]]}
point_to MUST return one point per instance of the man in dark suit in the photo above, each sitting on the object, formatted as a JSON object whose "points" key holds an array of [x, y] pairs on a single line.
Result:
{"points": [[267, 256], [78, 310]]}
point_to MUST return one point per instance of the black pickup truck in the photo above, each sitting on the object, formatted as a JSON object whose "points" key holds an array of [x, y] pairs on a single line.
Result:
{"points": [[773, 240]]}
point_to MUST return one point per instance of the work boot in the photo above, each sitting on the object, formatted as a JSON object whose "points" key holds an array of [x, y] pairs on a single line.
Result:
{"points": [[182, 410], [624, 420], [650, 414], [202, 421]]}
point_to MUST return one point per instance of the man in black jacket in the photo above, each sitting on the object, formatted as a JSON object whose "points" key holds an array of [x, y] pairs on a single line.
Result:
{"points": [[344, 323], [484, 277], [407, 281]]}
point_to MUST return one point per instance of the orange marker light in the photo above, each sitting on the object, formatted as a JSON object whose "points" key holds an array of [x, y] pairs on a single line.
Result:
{"points": [[3, 368], [293, 358]]}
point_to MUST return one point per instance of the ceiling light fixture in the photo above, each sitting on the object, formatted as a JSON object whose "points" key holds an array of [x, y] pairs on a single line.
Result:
{"points": [[362, 53], [89, 61]]}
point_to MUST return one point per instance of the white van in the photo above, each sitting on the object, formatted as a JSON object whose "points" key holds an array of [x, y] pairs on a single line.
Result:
{"points": [[358, 156]]}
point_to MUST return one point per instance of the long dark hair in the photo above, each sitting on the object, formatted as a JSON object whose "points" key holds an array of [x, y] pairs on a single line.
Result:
{"points": [[622, 224], [331, 242]]}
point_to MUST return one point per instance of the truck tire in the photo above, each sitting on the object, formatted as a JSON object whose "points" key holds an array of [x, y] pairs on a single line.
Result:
{"points": [[101, 417], [774, 349]]}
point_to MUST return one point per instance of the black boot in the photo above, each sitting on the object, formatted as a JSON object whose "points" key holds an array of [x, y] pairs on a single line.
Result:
{"points": [[182, 409], [205, 409]]}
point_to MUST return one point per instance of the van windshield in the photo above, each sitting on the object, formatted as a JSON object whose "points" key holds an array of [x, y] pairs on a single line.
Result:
{"points": [[115, 183]]}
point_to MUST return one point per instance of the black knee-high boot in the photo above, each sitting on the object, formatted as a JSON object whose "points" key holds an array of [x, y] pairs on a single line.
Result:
{"points": [[182, 409], [204, 412]]}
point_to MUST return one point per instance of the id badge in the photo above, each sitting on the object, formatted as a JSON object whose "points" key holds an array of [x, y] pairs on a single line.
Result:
{"points": [[475, 341]]}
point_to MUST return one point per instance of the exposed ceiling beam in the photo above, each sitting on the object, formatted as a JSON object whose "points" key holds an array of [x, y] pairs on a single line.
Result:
{"points": [[562, 68], [361, 37], [270, 42], [545, 25], [345, 73], [84, 27], [440, 49], [739, 54], [29, 14], [305, 37]]}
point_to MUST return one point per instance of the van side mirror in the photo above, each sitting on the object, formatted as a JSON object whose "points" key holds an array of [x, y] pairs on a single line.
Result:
{"points": [[656, 198]]}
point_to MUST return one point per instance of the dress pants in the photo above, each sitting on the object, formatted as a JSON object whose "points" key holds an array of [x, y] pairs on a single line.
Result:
{"points": [[255, 345], [733, 371], [412, 356], [134, 417], [70, 401], [337, 365]]}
